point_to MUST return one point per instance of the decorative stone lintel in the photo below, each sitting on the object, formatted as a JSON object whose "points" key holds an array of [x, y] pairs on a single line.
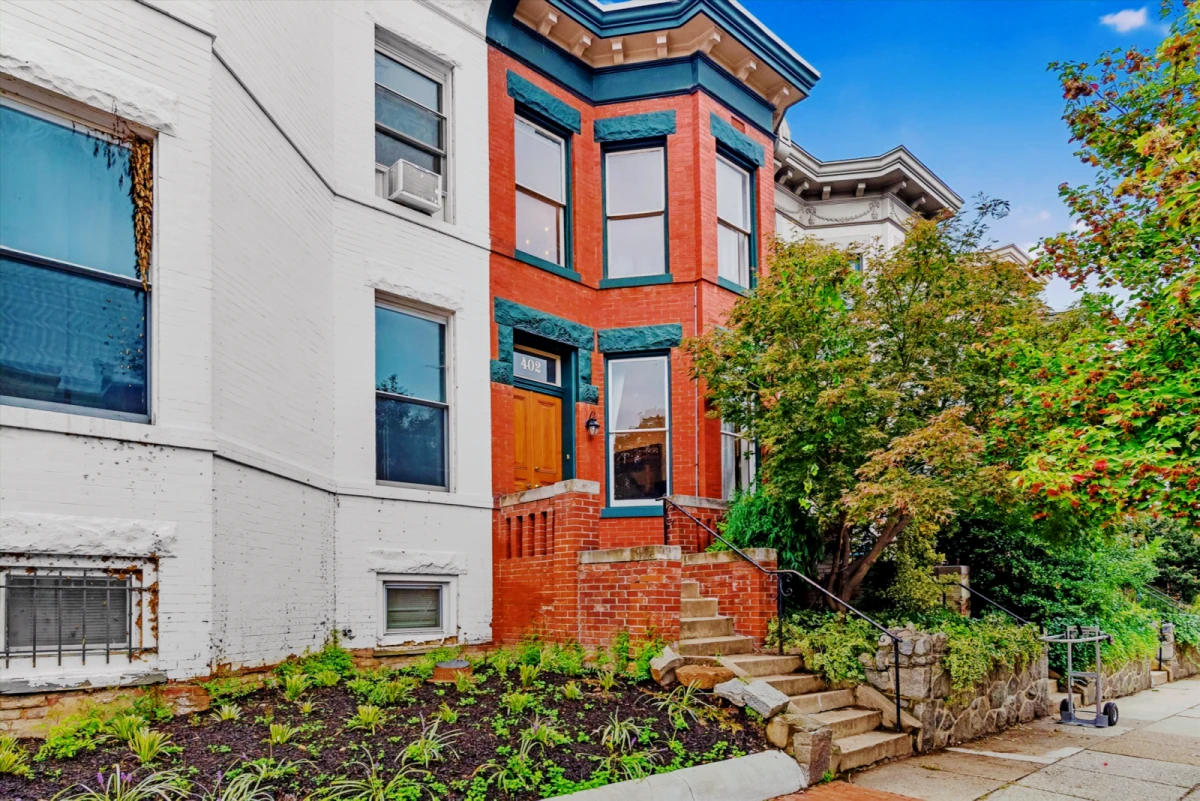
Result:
{"points": [[551, 490], [642, 553], [635, 126], [722, 557], [737, 141], [644, 337], [538, 99], [696, 502], [427, 563]]}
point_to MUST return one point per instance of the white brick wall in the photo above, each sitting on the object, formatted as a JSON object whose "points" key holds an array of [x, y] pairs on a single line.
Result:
{"points": [[270, 248]]}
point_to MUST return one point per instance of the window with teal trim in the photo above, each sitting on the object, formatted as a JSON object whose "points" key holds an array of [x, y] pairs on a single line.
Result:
{"points": [[734, 222], [739, 461], [635, 206], [73, 306], [541, 171], [639, 430]]}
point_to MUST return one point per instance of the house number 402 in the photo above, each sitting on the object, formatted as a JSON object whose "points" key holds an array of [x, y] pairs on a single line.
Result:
{"points": [[532, 365]]}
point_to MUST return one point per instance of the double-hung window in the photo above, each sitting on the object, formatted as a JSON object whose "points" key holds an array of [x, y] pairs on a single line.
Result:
{"points": [[412, 607], [410, 120], [739, 461], [73, 302], [635, 211], [734, 214], [639, 430], [411, 410], [541, 168]]}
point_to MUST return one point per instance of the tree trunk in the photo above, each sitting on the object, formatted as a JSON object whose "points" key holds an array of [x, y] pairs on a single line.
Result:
{"points": [[852, 577]]}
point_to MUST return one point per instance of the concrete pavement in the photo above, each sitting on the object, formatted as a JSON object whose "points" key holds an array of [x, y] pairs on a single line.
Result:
{"points": [[1153, 754]]}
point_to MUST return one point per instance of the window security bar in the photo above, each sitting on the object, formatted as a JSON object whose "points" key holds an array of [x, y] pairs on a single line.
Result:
{"points": [[57, 612]]}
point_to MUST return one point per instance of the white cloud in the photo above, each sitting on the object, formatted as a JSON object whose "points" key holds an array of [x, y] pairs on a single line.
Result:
{"points": [[1126, 20]]}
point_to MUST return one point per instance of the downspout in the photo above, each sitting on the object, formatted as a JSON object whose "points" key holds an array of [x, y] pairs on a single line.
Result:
{"points": [[696, 333]]}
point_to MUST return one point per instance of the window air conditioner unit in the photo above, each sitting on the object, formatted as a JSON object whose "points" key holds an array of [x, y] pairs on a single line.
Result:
{"points": [[415, 187]]}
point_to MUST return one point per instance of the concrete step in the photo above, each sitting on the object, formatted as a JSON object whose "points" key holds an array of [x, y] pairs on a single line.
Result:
{"points": [[811, 703], [712, 646], [691, 589], [691, 628], [869, 748], [794, 683], [1158, 677], [848, 721], [698, 607], [766, 664]]}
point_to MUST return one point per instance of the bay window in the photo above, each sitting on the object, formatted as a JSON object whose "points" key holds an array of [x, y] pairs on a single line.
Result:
{"points": [[635, 212], [411, 409], [73, 301], [541, 170], [639, 430], [734, 215]]}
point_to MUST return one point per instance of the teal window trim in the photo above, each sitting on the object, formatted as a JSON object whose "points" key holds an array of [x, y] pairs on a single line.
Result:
{"points": [[731, 286], [540, 102], [624, 146], [548, 266], [532, 115], [651, 125], [743, 147], [750, 168], [641, 339], [636, 280], [651, 508], [511, 316]]}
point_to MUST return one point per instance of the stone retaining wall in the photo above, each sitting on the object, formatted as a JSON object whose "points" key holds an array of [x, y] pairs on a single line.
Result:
{"points": [[1005, 698]]}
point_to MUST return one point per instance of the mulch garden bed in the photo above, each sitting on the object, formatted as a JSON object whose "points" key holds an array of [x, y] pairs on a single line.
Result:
{"points": [[479, 730]]}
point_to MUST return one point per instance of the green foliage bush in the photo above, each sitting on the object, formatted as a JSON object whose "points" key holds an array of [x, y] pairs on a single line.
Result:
{"points": [[829, 644], [331, 657], [762, 519]]}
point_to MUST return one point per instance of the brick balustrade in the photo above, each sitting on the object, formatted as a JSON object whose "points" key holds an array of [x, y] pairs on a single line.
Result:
{"points": [[742, 591], [683, 531]]}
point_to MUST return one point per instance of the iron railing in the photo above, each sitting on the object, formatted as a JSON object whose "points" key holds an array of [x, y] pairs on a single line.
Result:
{"points": [[781, 592], [977, 594], [46, 612]]}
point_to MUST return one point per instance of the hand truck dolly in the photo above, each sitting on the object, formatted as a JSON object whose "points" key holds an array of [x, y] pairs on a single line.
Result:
{"points": [[1106, 716]]}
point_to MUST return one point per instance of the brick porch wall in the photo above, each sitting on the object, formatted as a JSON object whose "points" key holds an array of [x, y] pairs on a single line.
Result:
{"points": [[629, 589], [683, 531], [742, 591]]}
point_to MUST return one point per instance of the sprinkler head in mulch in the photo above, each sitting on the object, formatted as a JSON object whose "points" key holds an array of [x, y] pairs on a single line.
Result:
{"points": [[444, 672]]}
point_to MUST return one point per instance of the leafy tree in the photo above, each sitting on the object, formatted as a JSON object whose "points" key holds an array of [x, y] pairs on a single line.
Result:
{"points": [[866, 389], [1104, 419]]}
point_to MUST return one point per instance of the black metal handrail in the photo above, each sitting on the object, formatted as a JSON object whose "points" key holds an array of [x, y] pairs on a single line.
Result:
{"points": [[780, 593], [979, 594], [1162, 597]]}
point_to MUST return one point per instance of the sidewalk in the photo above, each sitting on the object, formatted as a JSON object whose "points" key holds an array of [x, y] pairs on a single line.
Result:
{"points": [[1153, 754]]}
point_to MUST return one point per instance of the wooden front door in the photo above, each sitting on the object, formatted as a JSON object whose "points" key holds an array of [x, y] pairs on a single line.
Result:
{"points": [[537, 426]]}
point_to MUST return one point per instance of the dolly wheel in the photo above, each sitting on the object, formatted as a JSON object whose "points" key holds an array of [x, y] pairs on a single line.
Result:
{"points": [[1110, 712], [1064, 707]]}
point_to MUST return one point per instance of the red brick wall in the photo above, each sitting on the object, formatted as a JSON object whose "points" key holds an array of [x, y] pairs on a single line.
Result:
{"points": [[639, 597], [684, 532], [742, 592]]}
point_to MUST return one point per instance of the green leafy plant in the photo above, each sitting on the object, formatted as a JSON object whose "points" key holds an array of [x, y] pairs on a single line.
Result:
{"points": [[431, 746], [446, 714], [125, 726], [682, 703], [294, 686], [394, 692], [326, 678], [529, 674], [117, 786], [14, 759], [404, 784], [280, 734], [369, 717], [465, 683], [331, 657], [147, 745], [619, 734], [240, 787], [517, 702], [830, 644], [571, 691], [227, 712], [73, 735], [542, 732], [502, 660], [607, 680], [628, 766]]}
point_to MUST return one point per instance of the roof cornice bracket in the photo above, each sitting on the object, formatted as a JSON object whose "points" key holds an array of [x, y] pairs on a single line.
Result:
{"points": [[711, 39], [825, 190], [547, 22], [747, 66], [862, 187], [618, 50], [660, 44], [582, 42]]}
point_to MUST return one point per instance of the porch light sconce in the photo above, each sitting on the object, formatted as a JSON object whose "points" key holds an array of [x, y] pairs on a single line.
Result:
{"points": [[592, 425]]}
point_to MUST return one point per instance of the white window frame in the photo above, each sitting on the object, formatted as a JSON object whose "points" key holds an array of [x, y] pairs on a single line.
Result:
{"points": [[390, 46], [743, 268], [90, 120], [545, 355], [660, 212], [611, 432], [449, 611], [143, 623], [448, 405], [729, 438], [560, 206]]}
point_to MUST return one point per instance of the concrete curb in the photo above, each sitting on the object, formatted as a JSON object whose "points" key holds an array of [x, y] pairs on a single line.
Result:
{"points": [[757, 777]]}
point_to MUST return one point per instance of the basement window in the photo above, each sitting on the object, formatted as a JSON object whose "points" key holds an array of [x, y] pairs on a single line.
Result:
{"points": [[412, 608]]}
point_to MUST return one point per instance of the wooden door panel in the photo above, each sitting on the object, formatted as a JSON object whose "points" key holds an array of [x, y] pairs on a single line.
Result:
{"points": [[522, 467], [546, 447]]}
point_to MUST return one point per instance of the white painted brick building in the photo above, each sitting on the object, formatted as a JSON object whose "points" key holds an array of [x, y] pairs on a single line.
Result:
{"points": [[248, 487]]}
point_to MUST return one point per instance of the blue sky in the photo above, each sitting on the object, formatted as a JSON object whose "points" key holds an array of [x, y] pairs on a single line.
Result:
{"points": [[962, 83]]}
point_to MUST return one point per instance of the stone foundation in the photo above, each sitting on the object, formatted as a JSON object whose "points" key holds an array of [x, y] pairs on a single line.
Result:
{"points": [[1005, 698], [34, 714]]}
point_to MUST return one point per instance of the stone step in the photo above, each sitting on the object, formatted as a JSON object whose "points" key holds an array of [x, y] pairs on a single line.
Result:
{"points": [[698, 607], [849, 721], [868, 748], [691, 628], [794, 683], [691, 589], [1158, 677], [712, 646], [811, 703], [765, 664]]}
